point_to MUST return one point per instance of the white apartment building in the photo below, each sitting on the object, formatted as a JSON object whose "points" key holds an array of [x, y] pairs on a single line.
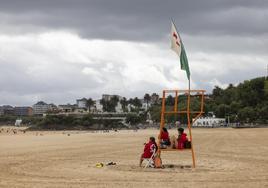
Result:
{"points": [[81, 103], [98, 106], [40, 108], [119, 108], [67, 108], [145, 105], [209, 122]]}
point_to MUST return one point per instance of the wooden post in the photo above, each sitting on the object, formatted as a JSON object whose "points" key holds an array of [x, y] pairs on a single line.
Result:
{"points": [[202, 102], [162, 122], [189, 127]]}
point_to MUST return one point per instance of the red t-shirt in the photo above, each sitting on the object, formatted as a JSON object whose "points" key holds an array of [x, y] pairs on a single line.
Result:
{"points": [[183, 138], [164, 135], [149, 149]]}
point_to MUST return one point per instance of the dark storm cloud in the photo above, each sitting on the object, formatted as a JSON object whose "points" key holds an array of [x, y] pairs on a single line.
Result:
{"points": [[139, 19]]}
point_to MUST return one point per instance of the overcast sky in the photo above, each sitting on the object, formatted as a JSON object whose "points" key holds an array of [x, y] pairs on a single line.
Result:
{"points": [[61, 50]]}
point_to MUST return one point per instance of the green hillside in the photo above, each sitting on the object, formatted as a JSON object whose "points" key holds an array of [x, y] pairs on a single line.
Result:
{"points": [[247, 103]]}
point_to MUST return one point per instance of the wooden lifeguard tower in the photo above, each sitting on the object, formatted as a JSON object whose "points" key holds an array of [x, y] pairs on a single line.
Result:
{"points": [[199, 95]]}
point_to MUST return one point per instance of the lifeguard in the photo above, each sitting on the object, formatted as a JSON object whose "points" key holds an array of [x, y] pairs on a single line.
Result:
{"points": [[149, 149]]}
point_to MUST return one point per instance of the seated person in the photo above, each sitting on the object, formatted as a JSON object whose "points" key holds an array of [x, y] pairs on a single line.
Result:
{"points": [[148, 149], [182, 138], [164, 137]]}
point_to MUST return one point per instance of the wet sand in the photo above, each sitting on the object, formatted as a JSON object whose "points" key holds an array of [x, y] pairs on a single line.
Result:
{"points": [[224, 158]]}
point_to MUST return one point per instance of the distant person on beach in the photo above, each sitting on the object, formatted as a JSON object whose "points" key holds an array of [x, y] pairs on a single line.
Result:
{"points": [[148, 150], [182, 138], [164, 137]]}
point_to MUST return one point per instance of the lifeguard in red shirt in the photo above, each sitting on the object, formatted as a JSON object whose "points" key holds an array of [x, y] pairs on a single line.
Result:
{"points": [[149, 149], [164, 137], [182, 139]]}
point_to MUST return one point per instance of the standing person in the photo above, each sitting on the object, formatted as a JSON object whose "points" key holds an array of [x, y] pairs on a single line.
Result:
{"points": [[164, 137], [182, 138], [149, 149]]}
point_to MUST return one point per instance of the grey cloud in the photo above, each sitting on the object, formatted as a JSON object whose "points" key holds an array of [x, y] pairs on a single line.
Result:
{"points": [[139, 20], [214, 28], [254, 46]]}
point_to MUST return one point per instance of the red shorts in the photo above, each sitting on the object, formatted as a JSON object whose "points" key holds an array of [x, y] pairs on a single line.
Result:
{"points": [[146, 155]]}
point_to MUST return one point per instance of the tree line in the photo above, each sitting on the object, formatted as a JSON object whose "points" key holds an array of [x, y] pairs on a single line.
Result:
{"points": [[247, 102]]}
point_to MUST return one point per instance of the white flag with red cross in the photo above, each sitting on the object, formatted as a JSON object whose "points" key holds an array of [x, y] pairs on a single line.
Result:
{"points": [[178, 48]]}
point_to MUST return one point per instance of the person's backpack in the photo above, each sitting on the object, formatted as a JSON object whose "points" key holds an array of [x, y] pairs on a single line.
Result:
{"points": [[187, 144], [157, 162]]}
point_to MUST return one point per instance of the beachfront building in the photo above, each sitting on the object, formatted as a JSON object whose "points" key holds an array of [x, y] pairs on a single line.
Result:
{"points": [[23, 111], [6, 110], [118, 107], [131, 107], [81, 103], [145, 104], [40, 108], [97, 108], [209, 122], [67, 108], [155, 99], [53, 108]]}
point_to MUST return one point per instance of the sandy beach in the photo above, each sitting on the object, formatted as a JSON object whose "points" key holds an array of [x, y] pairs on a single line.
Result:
{"points": [[224, 158]]}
